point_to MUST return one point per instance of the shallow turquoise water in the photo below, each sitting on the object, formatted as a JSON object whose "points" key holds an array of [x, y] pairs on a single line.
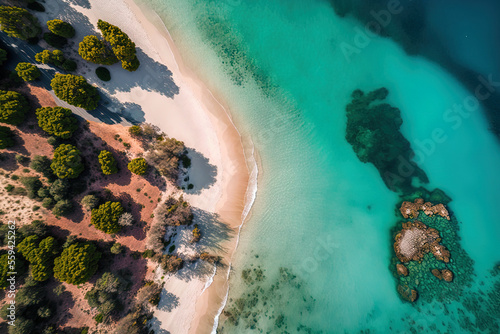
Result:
{"points": [[321, 213]]}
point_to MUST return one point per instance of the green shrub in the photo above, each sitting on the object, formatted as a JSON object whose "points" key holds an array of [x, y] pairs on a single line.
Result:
{"points": [[61, 28], [106, 216], [22, 159], [135, 130], [18, 22], [77, 263], [55, 40], [53, 141], [103, 73], [48, 203], [108, 163], [90, 202], [94, 50], [99, 318], [138, 166], [6, 137], [32, 184], [75, 90], [27, 71], [56, 58], [62, 208], [116, 248], [13, 107], [60, 189], [67, 162], [41, 164], [57, 121]]}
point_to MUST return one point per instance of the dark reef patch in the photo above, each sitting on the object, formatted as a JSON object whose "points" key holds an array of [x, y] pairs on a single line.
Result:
{"points": [[373, 132], [405, 22]]}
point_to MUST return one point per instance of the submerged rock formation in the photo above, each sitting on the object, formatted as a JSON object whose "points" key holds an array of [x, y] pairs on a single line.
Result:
{"points": [[410, 210], [408, 294]]}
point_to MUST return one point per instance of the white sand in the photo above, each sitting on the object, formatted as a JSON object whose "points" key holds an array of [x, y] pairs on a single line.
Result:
{"points": [[185, 109]]}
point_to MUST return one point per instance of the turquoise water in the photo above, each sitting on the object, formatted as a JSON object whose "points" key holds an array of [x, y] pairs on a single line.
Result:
{"points": [[319, 230]]}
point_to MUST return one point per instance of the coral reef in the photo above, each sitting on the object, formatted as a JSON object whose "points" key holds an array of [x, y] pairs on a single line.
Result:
{"points": [[428, 246], [407, 293]]}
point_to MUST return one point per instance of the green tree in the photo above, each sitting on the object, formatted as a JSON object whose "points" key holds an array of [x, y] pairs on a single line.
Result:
{"points": [[57, 121], [90, 202], [6, 137], [13, 107], [18, 22], [40, 255], [138, 166], [77, 263], [75, 90], [122, 45], [27, 71], [5, 268], [67, 162], [55, 57], [61, 28], [108, 163], [106, 216], [94, 50]]}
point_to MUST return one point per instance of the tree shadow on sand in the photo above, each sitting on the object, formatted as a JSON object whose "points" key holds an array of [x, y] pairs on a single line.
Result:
{"points": [[155, 325], [168, 301], [214, 232], [154, 77], [202, 174]]}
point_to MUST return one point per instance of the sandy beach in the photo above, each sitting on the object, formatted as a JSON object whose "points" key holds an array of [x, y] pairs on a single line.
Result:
{"points": [[164, 92]]}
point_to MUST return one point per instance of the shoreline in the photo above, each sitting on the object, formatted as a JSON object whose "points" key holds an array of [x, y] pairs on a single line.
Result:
{"points": [[234, 203], [202, 120]]}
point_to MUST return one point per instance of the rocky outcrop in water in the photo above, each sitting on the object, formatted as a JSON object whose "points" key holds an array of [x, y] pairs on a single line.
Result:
{"points": [[444, 274], [415, 240], [402, 270], [410, 210]]}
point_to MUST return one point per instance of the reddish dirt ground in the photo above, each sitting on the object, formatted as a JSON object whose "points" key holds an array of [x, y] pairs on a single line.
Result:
{"points": [[138, 194]]}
